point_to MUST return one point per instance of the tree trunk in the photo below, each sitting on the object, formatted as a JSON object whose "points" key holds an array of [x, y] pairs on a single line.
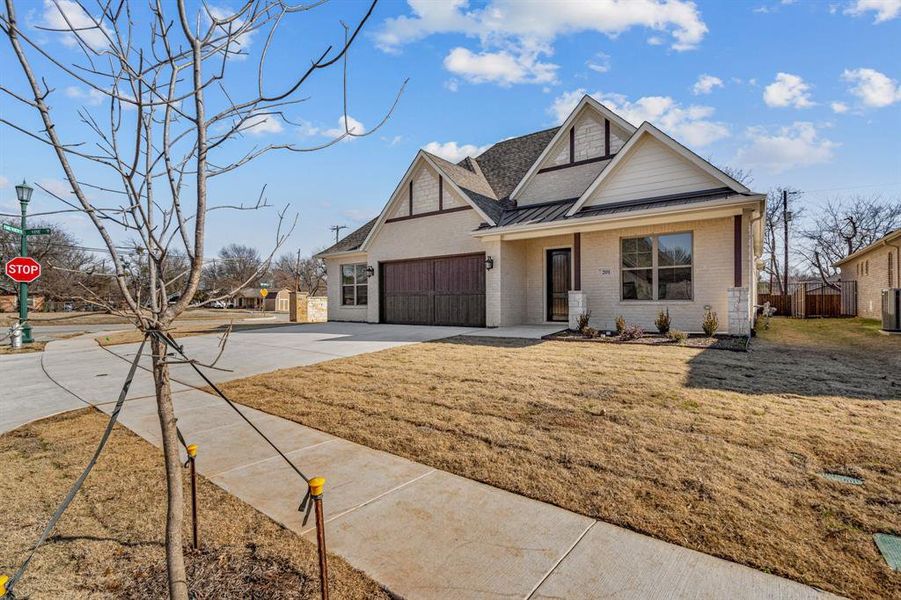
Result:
{"points": [[175, 559]]}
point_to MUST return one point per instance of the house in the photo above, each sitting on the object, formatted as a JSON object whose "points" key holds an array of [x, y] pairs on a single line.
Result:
{"points": [[874, 268], [275, 300], [594, 215]]}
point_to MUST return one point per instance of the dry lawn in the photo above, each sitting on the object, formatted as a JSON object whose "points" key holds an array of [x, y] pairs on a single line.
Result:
{"points": [[716, 451], [5, 348], [102, 318], [110, 542]]}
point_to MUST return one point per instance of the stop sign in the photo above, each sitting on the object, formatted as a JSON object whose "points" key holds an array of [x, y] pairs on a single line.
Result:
{"points": [[23, 269]]}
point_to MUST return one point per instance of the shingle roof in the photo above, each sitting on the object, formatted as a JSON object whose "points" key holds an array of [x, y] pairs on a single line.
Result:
{"points": [[352, 240], [506, 163], [470, 179]]}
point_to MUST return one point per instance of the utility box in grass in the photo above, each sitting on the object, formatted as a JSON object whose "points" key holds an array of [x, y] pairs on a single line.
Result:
{"points": [[307, 309]]}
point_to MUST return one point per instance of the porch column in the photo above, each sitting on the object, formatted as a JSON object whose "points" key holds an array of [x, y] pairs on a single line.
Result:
{"points": [[493, 306], [578, 300]]}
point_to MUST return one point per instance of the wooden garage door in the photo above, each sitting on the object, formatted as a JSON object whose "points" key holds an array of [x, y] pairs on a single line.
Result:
{"points": [[446, 290]]}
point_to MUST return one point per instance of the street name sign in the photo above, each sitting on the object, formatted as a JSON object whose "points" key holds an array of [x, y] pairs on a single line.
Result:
{"points": [[38, 231], [23, 269], [12, 229]]}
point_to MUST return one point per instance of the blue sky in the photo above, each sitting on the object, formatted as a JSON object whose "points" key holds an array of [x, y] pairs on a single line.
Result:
{"points": [[800, 93]]}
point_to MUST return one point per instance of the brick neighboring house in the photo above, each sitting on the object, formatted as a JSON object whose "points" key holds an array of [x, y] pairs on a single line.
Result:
{"points": [[874, 268], [594, 215]]}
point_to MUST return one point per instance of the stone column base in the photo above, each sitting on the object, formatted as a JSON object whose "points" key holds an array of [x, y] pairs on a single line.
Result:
{"points": [[739, 311], [578, 304]]}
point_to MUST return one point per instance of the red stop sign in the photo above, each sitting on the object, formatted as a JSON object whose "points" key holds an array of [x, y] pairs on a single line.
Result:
{"points": [[23, 269]]}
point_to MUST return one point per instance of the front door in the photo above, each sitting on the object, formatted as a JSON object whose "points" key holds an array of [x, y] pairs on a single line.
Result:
{"points": [[558, 284]]}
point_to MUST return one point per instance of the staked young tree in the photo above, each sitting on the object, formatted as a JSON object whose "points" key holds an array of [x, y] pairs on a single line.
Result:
{"points": [[175, 117]]}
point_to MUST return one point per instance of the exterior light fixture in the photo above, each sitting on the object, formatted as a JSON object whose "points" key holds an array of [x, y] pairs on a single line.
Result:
{"points": [[489, 263], [23, 192], [370, 271]]}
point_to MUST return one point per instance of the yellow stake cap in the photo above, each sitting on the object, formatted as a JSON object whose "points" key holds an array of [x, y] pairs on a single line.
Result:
{"points": [[3, 580], [192, 450], [316, 485]]}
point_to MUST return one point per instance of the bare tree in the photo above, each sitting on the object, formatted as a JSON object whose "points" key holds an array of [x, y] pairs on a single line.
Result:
{"points": [[844, 226], [773, 235], [174, 120], [235, 265], [301, 273]]}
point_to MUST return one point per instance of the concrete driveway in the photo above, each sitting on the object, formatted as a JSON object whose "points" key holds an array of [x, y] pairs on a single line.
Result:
{"points": [[90, 374]]}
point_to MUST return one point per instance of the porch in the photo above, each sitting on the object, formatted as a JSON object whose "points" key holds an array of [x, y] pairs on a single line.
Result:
{"points": [[636, 271]]}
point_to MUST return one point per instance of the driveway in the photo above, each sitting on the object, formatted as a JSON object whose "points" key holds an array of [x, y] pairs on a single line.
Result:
{"points": [[92, 375]]}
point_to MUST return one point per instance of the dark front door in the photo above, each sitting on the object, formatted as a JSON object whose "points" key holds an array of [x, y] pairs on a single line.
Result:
{"points": [[447, 290], [558, 284]]}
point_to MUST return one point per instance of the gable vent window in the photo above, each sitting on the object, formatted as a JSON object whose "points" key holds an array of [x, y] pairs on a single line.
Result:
{"points": [[657, 267], [354, 287]]}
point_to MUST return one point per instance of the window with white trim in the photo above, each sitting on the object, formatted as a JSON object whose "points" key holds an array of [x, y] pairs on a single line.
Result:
{"points": [[354, 287], [657, 267]]}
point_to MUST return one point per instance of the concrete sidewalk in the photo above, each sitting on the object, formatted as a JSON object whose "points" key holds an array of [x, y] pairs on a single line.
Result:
{"points": [[421, 532]]}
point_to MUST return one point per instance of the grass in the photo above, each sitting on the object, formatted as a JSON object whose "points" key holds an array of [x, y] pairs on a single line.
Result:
{"points": [[5, 348], [110, 543], [716, 451], [179, 331]]}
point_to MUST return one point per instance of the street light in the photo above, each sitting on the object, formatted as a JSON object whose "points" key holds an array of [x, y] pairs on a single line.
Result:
{"points": [[23, 192]]}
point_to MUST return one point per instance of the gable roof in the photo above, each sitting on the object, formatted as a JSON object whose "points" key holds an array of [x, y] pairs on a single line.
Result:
{"points": [[505, 163], [472, 182], [586, 101], [628, 149]]}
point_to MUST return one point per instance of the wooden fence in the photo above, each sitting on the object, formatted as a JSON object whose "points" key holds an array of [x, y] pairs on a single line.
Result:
{"points": [[807, 300]]}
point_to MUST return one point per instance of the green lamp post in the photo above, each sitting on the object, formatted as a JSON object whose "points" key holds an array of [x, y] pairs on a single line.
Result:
{"points": [[23, 193]]}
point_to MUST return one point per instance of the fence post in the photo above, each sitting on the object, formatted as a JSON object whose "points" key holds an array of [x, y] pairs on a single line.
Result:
{"points": [[316, 486]]}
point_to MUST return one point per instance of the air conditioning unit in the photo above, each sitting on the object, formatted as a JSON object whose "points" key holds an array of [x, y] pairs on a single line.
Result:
{"points": [[891, 310]]}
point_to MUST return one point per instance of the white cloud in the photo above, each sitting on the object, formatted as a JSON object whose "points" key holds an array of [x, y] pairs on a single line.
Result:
{"points": [[262, 124], [515, 37], [872, 87], [691, 125], [501, 67], [454, 152], [839, 107], [790, 147], [4, 182], [67, 17], [885, 10], [600, 63], [89, 96], [788, 90], [351, 126], [656, 40], [240, 45], [706, 84], [452, 85]]}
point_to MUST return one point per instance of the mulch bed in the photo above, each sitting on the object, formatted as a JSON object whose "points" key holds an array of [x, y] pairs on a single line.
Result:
{"points": [[718, 342]]}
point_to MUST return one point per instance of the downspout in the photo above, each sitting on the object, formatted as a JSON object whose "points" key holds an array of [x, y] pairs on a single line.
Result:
{"points": [[897, 260]]}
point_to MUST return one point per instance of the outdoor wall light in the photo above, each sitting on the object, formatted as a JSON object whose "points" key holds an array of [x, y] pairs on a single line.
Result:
{"points": [[370, 271], [23, 192], [489, 263]]}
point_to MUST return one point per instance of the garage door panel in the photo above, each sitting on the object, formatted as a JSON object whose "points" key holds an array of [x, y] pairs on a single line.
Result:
{"points": [[434, 291]]}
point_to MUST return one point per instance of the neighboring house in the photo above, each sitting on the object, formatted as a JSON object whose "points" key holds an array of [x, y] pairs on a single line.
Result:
{"points": [[874, 268], [276, 300], [593, 215]]}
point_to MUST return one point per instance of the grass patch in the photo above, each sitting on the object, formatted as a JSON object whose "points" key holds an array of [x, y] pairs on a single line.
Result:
{"points": [[716, 451], [6, 348], [102, 318], [110, 543]]}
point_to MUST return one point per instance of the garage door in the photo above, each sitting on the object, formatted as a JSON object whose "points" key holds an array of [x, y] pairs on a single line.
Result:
{"points": [[447, 290]]}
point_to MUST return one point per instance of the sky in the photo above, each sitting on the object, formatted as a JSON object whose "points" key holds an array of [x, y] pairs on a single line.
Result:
{"points": [[800, 93]]}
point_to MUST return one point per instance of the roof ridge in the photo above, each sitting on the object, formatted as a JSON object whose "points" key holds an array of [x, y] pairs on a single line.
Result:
{"points": [[516, 138]]}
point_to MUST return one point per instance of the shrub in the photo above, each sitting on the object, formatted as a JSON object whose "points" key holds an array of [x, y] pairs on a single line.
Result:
{"points": [[583, 320], [710, 324], [590, 332], [620, 324], [631, 332], [677, 335], [663, 322]]}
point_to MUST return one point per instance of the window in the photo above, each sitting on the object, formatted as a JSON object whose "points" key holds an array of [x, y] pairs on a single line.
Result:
{"points": [[657, 267], [866, 267], [354, 288]]}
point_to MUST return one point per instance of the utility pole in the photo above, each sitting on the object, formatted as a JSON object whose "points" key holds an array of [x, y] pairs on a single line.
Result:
{"points": [[337, 229], [785, 218], [297, 272]]}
